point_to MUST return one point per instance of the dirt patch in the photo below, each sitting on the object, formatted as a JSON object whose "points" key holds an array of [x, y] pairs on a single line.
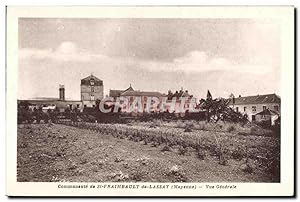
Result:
{"points": [[53, 152]]}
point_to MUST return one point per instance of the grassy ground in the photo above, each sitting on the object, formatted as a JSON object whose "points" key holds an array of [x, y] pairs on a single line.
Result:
{"points": [[53, 152]]}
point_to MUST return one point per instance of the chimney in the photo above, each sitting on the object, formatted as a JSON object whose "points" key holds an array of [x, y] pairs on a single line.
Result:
{"points": [[61, 92]]}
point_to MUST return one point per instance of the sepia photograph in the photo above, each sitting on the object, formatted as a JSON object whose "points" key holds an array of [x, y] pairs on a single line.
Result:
{"points": [[150, 100]]}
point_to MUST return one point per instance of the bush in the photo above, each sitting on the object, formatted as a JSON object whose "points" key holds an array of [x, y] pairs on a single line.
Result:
{"points": [[223, 156], [166, 148], [182, 150], [223, 160], [177, 175], [247, 168], [137, 176], [231, 129], [237, 154], [201, 153], [187, 129]]}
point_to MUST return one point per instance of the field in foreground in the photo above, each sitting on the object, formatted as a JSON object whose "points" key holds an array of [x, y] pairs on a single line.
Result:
{"points": [[54, 152]]}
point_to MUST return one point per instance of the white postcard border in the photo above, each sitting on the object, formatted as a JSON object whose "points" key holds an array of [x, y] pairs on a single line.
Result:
{"points": [[284, 15]]}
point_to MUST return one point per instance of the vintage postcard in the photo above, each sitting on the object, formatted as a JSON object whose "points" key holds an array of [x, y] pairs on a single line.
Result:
{"points": [[150, 101]]}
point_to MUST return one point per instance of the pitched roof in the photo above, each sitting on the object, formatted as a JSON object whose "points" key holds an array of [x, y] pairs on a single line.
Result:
{"points": [[268, 112], [129, 89], [117, 93], [142, 93], [257, 99], [86, 80]]}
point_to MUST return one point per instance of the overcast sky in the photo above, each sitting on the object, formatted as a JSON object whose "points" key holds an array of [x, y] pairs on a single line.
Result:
{"points": [[239, 56]]}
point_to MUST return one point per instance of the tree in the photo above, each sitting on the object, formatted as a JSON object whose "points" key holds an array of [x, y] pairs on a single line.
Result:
{"points": [[218, 109]]}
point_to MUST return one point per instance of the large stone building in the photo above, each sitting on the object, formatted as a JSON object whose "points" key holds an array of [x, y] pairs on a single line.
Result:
{"points": [[130, 94], [252, 105], [170, 99], [91, 89]]}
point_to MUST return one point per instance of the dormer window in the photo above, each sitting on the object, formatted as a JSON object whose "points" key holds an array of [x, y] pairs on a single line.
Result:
{"points": [[92, 82]]}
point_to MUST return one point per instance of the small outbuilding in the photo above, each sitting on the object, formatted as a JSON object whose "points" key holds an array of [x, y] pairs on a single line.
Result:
{"points": [[267, 115]]}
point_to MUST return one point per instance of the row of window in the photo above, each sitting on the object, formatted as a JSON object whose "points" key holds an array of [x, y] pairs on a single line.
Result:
{"points": [[71, 106], [276, 108], [78, 106], [86, 106]]}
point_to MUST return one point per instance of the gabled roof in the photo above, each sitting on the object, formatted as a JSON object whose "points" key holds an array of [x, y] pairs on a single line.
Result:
{"points": [[117, 93], [129, 89], [268, 112], [142, 93], [257, 99], [86, 80]]}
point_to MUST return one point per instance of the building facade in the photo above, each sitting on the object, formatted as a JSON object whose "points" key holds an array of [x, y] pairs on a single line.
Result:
{"points": [[91, 89], [142, 96], [252, 105], [170, 102], [179, 97]]}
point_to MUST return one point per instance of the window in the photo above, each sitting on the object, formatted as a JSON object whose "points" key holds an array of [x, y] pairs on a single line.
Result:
{"points": [[92, 97], [70, 106], [84, 106], [276, 108], [264, 108], [92, 82], [253, 108], [237, 109], [92, 89], [245, 109], [78, 105], [93, 106]]}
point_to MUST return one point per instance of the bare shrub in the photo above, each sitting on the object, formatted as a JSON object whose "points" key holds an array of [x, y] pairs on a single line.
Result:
{"points": [[120, 176], [182, 150], [176, 174], [187, 129], [201, 153], [247, 168], [231, 129], [238, 154], [166, 148], [137, 175], [154, 144], [118, 159], [72, 166], [223, 160], [223, 156]]}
